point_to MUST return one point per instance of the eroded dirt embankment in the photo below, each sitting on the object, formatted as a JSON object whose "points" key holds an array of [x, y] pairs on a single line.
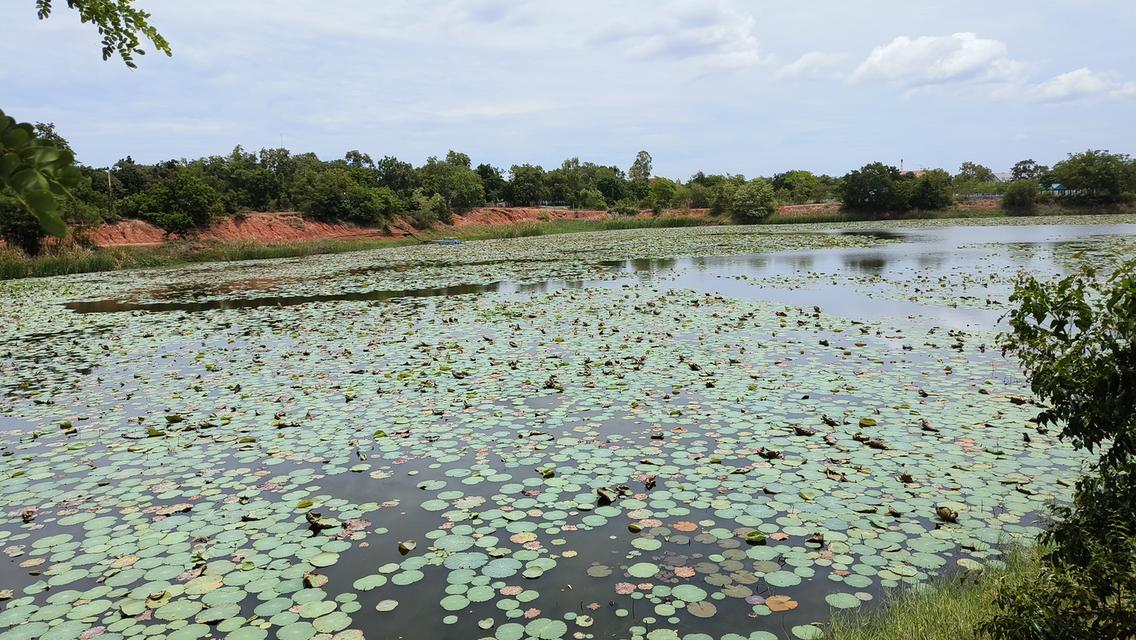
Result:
{"points": [[270, 228]]}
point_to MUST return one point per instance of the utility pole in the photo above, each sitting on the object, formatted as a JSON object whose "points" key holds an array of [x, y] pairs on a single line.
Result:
{"points": [[110, 193]]}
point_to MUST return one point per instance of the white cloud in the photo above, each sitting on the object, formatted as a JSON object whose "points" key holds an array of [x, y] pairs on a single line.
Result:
{"points": [[716, 36], [1081, 83], [812, 64], [936, 59]]}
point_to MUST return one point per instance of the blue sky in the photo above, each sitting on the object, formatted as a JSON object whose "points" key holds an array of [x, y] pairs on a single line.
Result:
{"points": [[741, 86]]}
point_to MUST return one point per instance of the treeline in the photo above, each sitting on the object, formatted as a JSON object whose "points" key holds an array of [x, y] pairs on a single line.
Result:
{"points": [[1091, 177], [179, 195]]}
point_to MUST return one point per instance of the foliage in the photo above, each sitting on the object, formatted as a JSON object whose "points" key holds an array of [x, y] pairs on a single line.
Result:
{"points": [[1098, 176], [333, 194], [640, 170], [1086, 586], [624, 208], [975, 172], [178, 203], [452, 178], [799, 187], [1020, 197], [1076, 339], [121, 26], [1028, 170], [526, 184], [872, 188], [592, 198], [753, 202], [932, 191], [493, 182], [663, 193], [428, 210], [35, 174]]}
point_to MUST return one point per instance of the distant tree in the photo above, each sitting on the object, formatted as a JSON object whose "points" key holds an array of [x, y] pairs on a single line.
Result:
{"points": [[1027, 170], [592, 198], [797, 187], [453, 180], [932, 191], [640, 169], [358, 159], [179, 202], [428, 210], [1020, 197], [970, 171], [398, 176], [753, 202], [1097, 175], [493, 182], [872, 188], [46, 132], [612, 184], [457, 159], [663, 192], [334, 194], [526, 184]]}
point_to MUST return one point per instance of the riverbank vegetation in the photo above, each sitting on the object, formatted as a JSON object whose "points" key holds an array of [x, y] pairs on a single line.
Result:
{"points": [[1075, 339], [181, 195]]}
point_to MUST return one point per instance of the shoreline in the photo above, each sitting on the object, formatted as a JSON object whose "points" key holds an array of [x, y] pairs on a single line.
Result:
{"points": [[221, 244]]}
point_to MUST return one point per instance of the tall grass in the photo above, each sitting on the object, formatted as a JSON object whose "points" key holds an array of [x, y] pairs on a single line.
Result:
{"points": [[954, 608]]}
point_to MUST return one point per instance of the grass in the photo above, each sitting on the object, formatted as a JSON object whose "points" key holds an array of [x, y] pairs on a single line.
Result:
{"points": [[953, 608], [848, 216]]}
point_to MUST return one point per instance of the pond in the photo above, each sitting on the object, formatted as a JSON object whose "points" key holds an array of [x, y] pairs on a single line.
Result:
{"points": [[675, 433]]}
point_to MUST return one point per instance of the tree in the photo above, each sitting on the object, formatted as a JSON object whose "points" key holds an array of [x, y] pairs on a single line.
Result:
{"points": [[872, 188], [334, 194], [932, 191], [1076, 340], [753, 202], [178, 203], [398, 176], [797, 187], [358, 159], [427, 210], [971, 171], [640, 170], [493, 182], [457, 159], [1097, 175], [663, 192], [1027, 170], [526, 184], [1020, 197], [453, 180]]}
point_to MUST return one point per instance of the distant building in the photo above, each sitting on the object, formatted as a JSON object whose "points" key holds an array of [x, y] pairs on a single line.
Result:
{"points": [[1004, 177]]}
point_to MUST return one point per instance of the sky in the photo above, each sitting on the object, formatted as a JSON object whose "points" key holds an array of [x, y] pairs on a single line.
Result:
{"points": [[724, 86]]}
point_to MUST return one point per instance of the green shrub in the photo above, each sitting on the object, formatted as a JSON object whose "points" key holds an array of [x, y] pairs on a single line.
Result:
{"points": [[932, 191], [1076, 340], [177, 203], [1021, 197], [429, 210], [753, 202], [624, 208]]}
